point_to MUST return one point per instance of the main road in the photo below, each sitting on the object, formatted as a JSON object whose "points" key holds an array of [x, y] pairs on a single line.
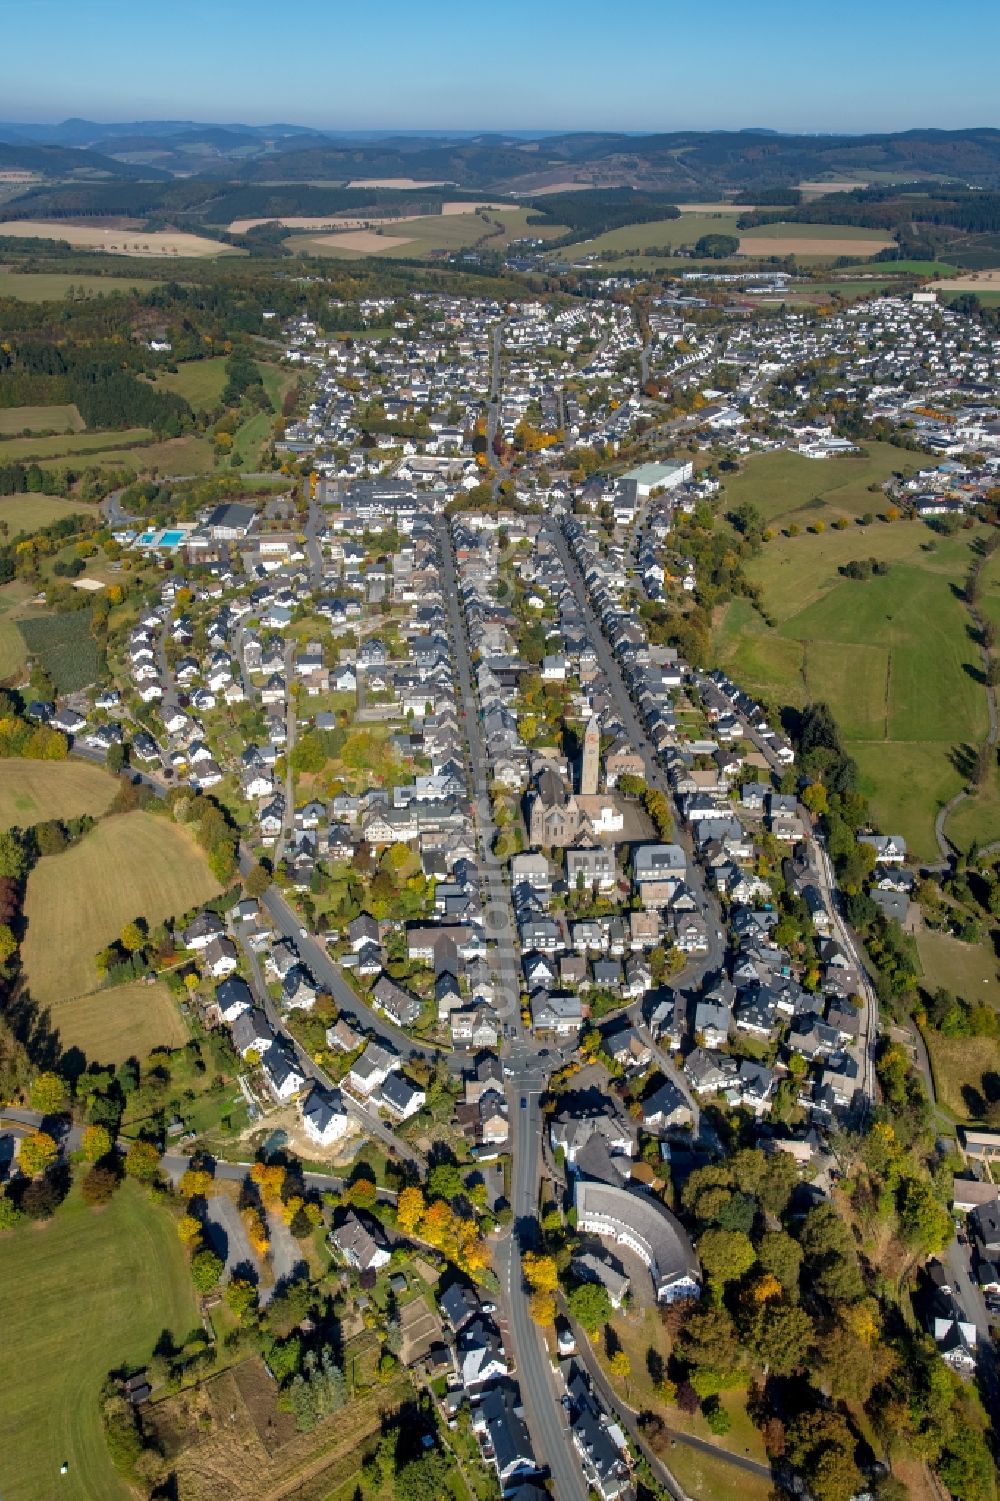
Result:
{"points": [[711, 961], [526, 1075]]}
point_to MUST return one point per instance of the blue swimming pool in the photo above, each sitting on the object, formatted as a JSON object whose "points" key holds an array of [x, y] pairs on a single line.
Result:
{"points": [[171, 539], [146, 538]]}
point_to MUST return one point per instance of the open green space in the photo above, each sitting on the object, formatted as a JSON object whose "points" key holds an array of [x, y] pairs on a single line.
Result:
{"points": [[123, 1021], [56, 419], [200, 382], [131, 865], [51, 286], [80, 1296], [34, 791], [787, 487], [894, 656], [27, 513]]}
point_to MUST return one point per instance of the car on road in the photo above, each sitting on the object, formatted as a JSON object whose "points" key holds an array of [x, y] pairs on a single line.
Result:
{"points": [[524, 1103], [303, 932]]}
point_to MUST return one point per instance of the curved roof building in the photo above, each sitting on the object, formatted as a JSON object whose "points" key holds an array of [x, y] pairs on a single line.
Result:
{"points": [[648, 1228]]}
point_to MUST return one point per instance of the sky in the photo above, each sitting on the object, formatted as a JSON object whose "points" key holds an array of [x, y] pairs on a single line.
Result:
{"points": [[647, 65]]}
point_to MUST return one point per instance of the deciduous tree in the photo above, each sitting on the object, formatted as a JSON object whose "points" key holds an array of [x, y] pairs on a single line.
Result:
{"points": [[37, 1151]]}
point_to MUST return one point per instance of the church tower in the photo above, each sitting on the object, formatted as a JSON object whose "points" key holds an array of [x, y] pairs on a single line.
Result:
{"points": [[591, 765]]}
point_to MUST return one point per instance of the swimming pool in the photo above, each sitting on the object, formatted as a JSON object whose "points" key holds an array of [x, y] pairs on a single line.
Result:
{"points": [[146, 539], [171, 539]]}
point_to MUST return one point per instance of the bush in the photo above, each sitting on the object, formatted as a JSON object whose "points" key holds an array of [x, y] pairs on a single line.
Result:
{"points": [[716, 1416]]}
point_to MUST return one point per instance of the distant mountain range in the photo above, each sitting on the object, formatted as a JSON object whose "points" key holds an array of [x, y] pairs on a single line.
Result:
{"points": [[686, 163]]}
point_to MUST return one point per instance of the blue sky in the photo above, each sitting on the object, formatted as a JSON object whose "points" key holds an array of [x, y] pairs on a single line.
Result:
{"points": [[374, 64]]}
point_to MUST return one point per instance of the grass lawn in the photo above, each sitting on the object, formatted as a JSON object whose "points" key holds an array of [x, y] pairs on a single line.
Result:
{"points": [[125, 1021], [134, 864], [51, 286], [892, 655], [79, 1296], [641, 1335], [27, 513], [906, 783], [966, 1073], [33, 791], [959, 967], [707, 1479], [57, 419], [782, 230]]}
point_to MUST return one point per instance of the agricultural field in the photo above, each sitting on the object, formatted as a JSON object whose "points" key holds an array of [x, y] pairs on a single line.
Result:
{"points": [[806, 241], [893, 655], [143, 242], [131, 865], [71, 445], [27, 513], [52, 286], [430, 234], [124, 1021], [34, 791], [188, 455], [65, 648], [673, 233], [56, 419], [62, 1335]]}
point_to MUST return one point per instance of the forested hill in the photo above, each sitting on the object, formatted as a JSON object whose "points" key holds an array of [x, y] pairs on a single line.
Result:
{"points": [[695, 163]]}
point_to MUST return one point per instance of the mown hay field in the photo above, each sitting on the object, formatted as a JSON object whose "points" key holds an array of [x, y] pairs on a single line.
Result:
{"points": [[131, 865]]}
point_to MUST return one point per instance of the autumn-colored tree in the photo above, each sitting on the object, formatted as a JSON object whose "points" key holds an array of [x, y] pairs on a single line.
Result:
{"points": [[256, 1228], [37, 1151], [99, 1184], [270, 1179], [133, 939], [142, 1161], [196, 1183], [95, 1142], [362, 1193], [240, 1296], [621, 1367], [8, 943], [409, 1210], [189, 1230], [543, 1309], [540, 1272], [48, 1094]]}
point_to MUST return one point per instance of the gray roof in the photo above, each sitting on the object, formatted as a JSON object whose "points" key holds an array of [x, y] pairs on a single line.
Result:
{"points": [[645, 1224]]}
